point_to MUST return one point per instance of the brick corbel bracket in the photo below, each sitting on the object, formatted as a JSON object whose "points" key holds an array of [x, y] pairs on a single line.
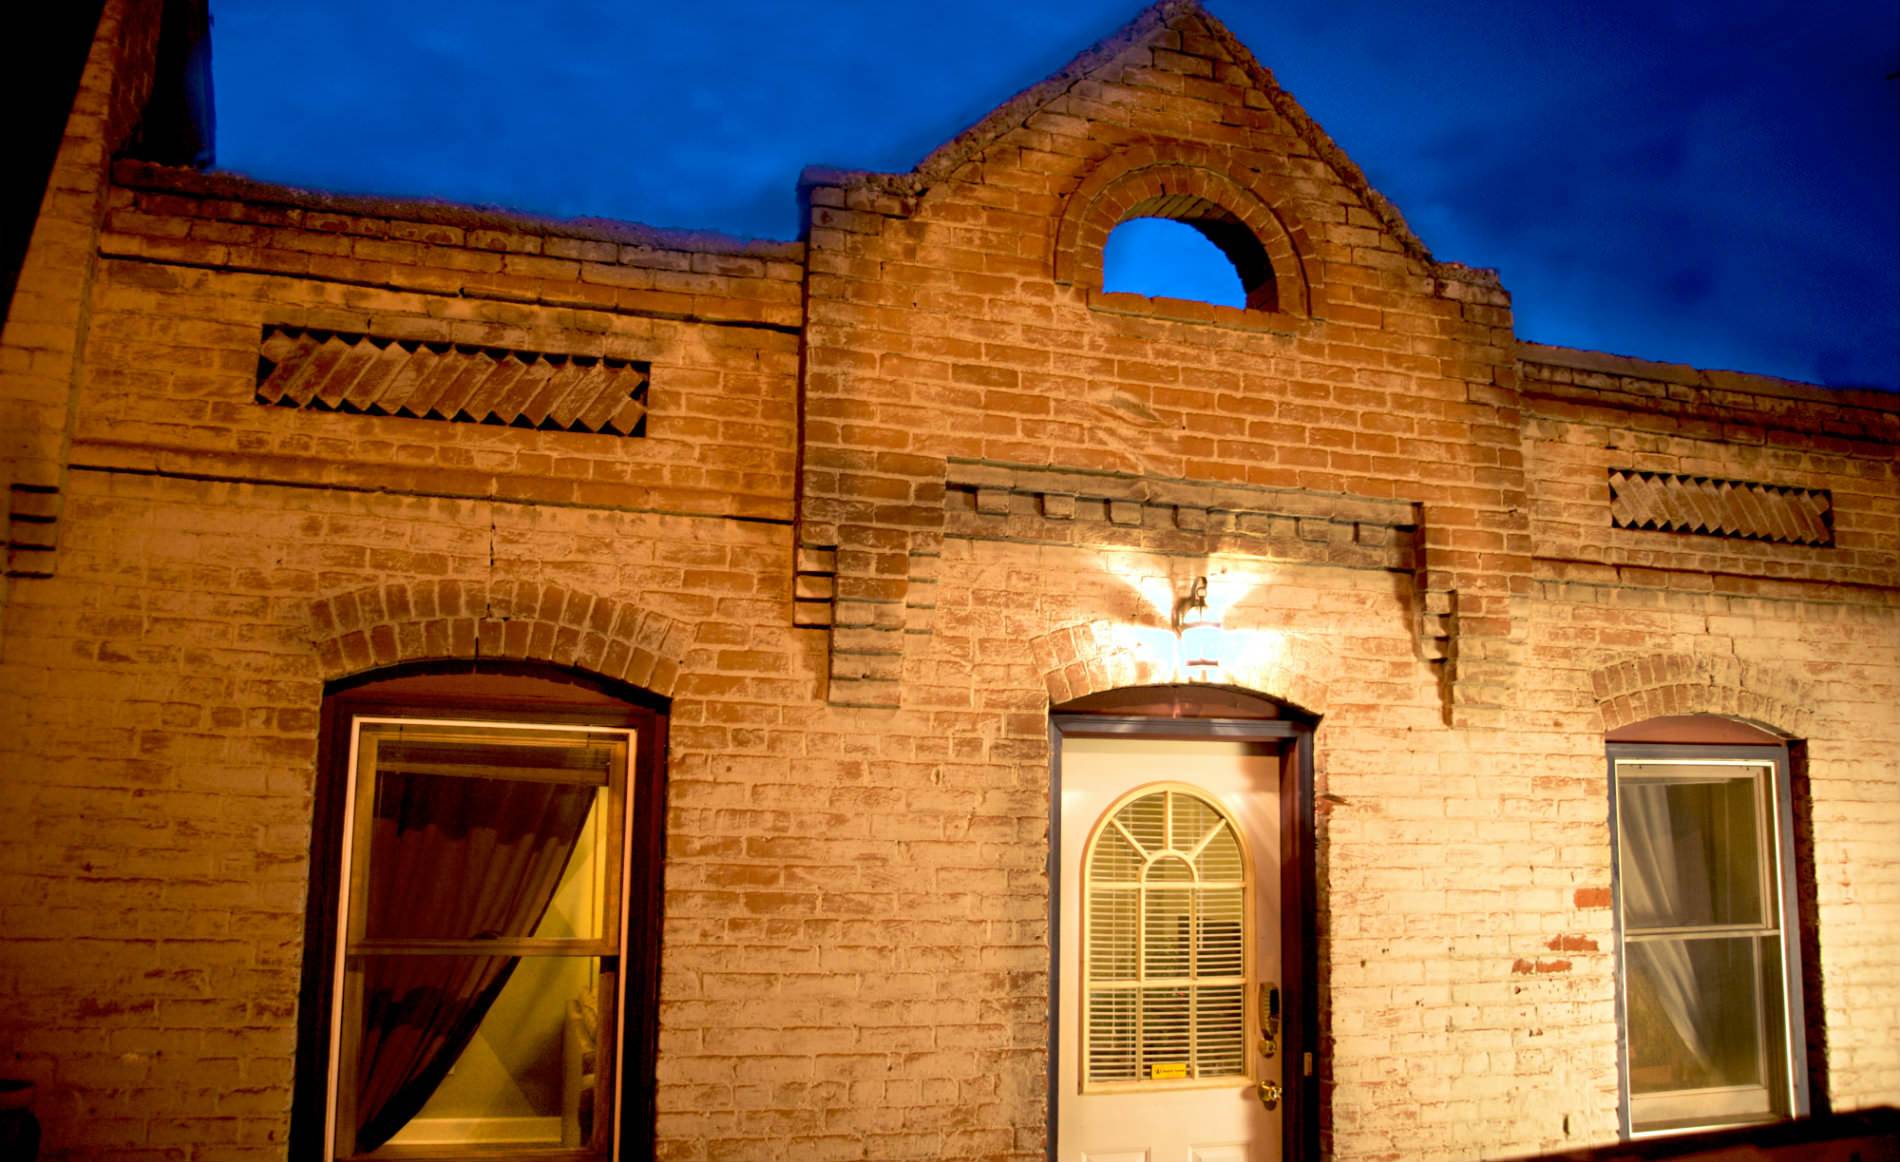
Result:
{"points": [[1244, 215], [1437, 636], [1031, 504], [1637, 689], [385, 625]]}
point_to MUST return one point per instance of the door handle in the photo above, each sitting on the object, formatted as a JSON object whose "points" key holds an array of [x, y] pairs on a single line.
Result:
{"points": [[1269, 1018], [1269, 1091]]}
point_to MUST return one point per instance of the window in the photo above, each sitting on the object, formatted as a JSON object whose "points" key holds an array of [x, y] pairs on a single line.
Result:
{"points": [[1178, 245], [479, 968], [1708, 935], [1166, 259], [1164, 972]]}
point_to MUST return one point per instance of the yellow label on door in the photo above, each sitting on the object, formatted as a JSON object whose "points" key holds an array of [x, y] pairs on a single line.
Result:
{"points": [[1167, 1070]]}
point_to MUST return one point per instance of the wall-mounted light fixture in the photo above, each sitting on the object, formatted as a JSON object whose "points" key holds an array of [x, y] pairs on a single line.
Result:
{"points": [[1197, 627]]}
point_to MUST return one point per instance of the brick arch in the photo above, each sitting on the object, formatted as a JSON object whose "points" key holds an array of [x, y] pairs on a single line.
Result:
{"points": [[1079, 660], [1637, 689], [1192, 184], [410, 621]]}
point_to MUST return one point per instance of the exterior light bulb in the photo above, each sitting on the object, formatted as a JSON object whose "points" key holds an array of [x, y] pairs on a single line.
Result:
{"points": [[1198, 628]]}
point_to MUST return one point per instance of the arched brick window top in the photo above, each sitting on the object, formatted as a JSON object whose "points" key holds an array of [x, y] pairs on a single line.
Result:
{"points": [[1185, 186]]}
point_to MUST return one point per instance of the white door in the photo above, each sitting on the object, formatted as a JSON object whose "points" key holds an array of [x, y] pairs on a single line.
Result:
{"points": [[1169, 919]]}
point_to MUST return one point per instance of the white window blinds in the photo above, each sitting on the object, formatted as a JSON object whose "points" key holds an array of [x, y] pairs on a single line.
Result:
{"points": [[1164, 962]]}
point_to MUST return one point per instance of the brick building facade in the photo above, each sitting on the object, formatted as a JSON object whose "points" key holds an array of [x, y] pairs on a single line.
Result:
{"points": [[852, 515]]}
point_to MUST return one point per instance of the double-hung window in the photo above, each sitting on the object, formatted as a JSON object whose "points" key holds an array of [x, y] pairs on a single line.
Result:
{"points": [[477, 967], [1708, 935]]}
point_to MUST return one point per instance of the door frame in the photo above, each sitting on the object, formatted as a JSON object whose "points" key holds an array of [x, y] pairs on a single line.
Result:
{"points": [[1299, 901]]}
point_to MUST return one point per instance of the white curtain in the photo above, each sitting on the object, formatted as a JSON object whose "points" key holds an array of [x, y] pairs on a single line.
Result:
{"points": [[1661, 886]]}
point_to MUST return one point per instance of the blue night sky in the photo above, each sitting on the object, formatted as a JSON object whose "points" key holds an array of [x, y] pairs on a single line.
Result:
{"points": [[1713, 183]]}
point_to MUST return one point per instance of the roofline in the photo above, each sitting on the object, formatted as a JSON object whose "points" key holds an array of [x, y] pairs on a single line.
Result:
{"points": [[941, 162], [1309, 131], [1015, 112], [140, 175], [1750, 383]]}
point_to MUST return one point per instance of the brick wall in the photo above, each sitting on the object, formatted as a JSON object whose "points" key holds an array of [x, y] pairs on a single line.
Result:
{"points": [[193, 273], [48, 316], [894, 491]]}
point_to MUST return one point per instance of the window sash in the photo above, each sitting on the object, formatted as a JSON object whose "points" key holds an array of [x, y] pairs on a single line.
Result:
{"points": [[354, 948], [503, 946], [1783, 1088], [360, 808], [1693, 931]]}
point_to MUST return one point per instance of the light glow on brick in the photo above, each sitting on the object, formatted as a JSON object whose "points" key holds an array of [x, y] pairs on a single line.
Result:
{"points": [[1161, 651]]}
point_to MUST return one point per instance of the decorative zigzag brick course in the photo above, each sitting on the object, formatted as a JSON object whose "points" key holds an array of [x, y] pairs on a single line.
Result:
{"points": [[1670, 502], [325, 371]]}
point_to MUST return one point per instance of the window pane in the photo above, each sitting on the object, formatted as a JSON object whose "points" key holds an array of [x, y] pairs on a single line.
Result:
{"points": [[1115, 858], [460, 859], [1221, 944], [1112, 1034], [1691, 845], [1146, 820], [583, 898], [512, 754], [1220, 860], [529, 1071], [1695, 1013], [476, 834], [1165, 1034], [1112, 939], [1722, 1056], [1220, 1031], [1164, 932], [1194, 820]]}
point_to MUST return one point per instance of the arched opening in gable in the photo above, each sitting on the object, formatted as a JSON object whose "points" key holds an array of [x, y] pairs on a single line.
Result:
{"points": [[1187, 247]]}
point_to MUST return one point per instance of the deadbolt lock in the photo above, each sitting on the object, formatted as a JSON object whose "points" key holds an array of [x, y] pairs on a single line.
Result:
{"points": [[1269, 1094], [1269, 998]]}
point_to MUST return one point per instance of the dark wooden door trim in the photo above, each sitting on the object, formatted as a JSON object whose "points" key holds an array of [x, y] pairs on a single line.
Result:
{"points": [[1299, 901]]}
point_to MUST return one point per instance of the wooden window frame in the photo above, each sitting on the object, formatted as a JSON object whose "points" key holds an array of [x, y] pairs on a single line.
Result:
{"points": [[518, 693], [1781, 846]]}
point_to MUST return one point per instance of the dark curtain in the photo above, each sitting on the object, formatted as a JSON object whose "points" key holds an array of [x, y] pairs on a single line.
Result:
{"points": [[450, 858]]}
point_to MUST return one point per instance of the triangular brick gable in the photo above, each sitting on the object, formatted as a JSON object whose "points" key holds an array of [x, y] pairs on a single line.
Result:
{"points": [[963, 344], [1150, 29]]}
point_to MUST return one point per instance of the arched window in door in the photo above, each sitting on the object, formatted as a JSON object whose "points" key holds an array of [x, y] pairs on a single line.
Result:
{"points": [[1165, 940]]}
